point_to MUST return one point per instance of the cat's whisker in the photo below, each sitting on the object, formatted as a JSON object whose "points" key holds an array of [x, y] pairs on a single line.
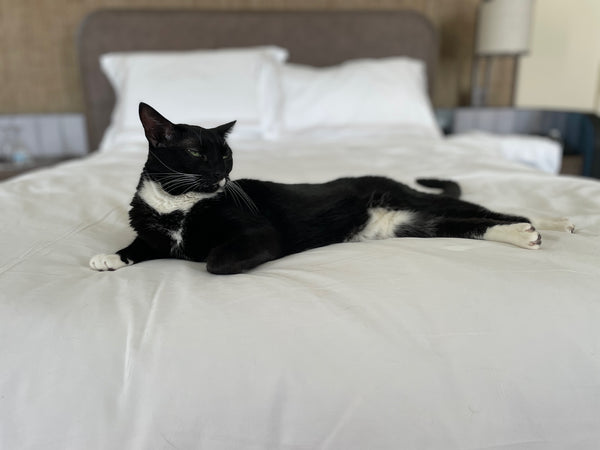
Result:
{"points": [[168, 176], [234, 195], [192, 186], [177, 176], [172, 181], [243, 197], [178, 181], [168, 179], [179, 184], [174, 175]]}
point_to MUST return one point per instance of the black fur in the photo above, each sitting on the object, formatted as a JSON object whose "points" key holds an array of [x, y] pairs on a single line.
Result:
{"points": [[248, 222]]}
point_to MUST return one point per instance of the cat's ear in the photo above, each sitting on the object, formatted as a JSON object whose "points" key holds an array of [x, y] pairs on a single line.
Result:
{"points": [[225, 129], [158, 129]]}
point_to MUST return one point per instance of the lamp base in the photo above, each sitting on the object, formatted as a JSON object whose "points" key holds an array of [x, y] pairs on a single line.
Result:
{"points": [[493, 80]]}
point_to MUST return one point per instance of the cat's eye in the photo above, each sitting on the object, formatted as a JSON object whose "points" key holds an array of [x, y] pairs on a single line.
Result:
{"points": [[226, 156], [197, 154]]}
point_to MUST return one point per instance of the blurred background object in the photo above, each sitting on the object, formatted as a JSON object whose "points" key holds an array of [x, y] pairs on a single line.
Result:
{"points": [[503, 30]]}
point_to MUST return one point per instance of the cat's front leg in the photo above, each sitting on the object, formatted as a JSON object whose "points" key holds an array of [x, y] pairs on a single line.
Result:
{"points": [[104, 261], [135, 252], [244, 252]]}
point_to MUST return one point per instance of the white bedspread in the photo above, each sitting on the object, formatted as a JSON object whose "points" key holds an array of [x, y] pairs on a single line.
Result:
{"points": [[396, 344]]}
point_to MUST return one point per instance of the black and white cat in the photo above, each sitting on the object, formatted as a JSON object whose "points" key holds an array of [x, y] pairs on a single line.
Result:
{"points": [[186, 207]]}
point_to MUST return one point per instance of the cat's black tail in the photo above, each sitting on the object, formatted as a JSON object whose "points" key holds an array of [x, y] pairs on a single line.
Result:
{"points": [[449, 188]]}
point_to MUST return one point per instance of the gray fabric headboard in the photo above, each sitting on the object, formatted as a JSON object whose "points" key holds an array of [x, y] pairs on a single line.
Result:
{"points": [[319, 38]]}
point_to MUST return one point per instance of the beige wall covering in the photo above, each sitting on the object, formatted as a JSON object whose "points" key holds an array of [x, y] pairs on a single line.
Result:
{"points": [[562, 69], [38, 66]]}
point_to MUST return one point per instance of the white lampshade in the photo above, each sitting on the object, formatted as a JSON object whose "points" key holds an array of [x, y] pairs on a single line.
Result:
{"points": [[503, 27]]}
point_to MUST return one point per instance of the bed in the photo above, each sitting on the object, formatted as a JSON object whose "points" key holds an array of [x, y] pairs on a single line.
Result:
{"points": [[386, 344]]}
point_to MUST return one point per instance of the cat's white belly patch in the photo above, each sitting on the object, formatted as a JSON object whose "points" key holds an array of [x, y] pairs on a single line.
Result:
{"points": [[382, 224], [164, 203]]}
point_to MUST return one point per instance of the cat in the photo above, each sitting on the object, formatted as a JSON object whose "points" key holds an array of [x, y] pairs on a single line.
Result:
{"points": [[187, 207]]}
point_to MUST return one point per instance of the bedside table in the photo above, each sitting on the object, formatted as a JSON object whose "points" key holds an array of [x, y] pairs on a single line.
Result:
{"points": [[55, 138], [8, 170], [578, 133]]}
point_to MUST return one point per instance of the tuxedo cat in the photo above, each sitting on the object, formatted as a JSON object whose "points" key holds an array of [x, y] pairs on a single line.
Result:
{"points": [[186, 207]]}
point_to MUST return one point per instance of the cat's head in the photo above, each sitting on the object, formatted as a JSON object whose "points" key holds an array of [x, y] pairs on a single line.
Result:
{"points": [[185, 158]]}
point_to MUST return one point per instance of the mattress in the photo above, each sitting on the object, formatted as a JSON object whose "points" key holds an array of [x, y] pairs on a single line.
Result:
{"points": [[399, 343]]}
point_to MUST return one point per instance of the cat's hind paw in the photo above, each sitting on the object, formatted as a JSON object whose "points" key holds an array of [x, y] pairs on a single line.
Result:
{"points": [[521, 234], [104, 262], [555, 224]]}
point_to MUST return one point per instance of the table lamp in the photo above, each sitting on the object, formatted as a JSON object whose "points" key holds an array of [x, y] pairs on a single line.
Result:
{"points": [[503, 29]]}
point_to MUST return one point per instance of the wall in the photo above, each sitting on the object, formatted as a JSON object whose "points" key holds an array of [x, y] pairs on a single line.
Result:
{"points": [[38, 65], [562, 69]]}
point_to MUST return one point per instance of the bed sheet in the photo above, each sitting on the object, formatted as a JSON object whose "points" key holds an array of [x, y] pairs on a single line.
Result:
{"points": [[401, 343]]}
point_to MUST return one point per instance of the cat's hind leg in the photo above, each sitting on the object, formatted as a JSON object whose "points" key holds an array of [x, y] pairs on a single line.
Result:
{"points": [[553, 224], [520, 233], [541, 223]]}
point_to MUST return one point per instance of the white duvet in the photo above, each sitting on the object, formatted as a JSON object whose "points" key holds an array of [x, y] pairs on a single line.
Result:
{"points": [[394, 344]]}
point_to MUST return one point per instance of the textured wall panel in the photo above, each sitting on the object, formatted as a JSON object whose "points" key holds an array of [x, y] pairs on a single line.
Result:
{"points": [[38, 66]]}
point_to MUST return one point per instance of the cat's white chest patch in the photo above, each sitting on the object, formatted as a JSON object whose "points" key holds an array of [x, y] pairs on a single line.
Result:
{"points": [[164, 203], [177, 236], [382, 224], [177, 241]]}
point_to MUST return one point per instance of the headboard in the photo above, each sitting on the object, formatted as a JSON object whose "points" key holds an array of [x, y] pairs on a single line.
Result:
{"points": [[318, 38]]}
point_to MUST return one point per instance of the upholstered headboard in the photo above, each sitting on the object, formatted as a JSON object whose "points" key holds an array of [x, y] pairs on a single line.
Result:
{"points": [[318, 38]]}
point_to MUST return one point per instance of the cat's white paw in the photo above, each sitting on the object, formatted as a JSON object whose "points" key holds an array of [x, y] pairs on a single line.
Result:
{"points": [[570, 227], [107, 262], [555, 224], [521, 234]]}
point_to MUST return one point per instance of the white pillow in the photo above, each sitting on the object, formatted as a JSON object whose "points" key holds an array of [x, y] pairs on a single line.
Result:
{"points": [[364, 96], [201, 87], [535, 151]]}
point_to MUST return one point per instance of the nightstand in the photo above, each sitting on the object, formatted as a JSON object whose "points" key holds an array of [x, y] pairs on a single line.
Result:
{"points": [[54, 137], [8, 170], [578, 133]]}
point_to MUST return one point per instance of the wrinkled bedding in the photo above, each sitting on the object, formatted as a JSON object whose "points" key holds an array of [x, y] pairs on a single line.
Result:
{"points": [[391, 344]]}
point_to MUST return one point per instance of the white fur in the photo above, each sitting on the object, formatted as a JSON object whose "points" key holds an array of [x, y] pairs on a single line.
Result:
{"points": [[163, 202], [107, 262], [520, 234], [382, 224], [555, 224], [177, 236]]}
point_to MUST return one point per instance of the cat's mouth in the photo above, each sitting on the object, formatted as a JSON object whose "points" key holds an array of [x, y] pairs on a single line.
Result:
{"points": [[219, 186]]}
